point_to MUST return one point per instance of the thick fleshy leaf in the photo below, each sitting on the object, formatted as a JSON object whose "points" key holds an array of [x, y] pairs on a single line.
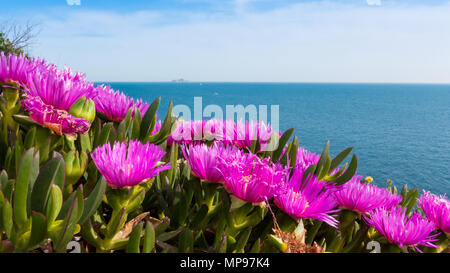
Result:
{"points": [[52, 173], [135, 239], [186, 241], [68, 227], [94, 200], [38, 229], [105, 133], [349, 172], [281, 144], [30, 138], [3, 179], [54, 203], [124, 126], [24, 177], [166, 128], [7, 221], [149, 120], [339, 158], [165, 236], [149, 238], [243, 238]]}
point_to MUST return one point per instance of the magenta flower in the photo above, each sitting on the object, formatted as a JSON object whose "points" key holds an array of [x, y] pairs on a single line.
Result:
{"points": [[313, 199], [306, 158], [187, 132], [128, 165], [156, 128], [251, 179], [246, 133], [14, 68], [216, 130], [59, 89], [205, 161], [115, 104], [362, 198], [58, 121], [50, 94], [402, 230], [239, 134], [437, 210]]}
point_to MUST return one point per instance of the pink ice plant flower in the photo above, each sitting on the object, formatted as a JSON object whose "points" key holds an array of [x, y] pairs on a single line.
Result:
{"points": [[49, 96], [14, 69], [401, 229], [205, 160], [436, 209], [250, 178], [195, 132], [306, 158], [312, 199], [115, 104], [59, 89], [247, 132], [58, 121], [362, 197], [128, 165], [239, 133]]}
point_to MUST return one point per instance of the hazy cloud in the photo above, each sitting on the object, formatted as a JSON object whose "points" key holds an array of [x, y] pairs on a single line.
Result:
{"points": [[315, 41]]}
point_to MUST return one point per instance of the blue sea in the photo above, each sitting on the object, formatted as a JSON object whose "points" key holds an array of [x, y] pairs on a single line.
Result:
{"points": [[399, 131]]}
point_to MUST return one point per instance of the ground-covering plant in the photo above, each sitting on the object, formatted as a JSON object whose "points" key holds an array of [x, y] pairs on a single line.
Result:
{"points": [[89, 164]]}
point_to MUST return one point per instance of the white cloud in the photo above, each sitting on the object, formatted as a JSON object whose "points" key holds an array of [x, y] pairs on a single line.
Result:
{"points": [[321, 41]]}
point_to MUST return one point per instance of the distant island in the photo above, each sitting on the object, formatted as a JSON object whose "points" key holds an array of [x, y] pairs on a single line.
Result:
{"points": [[180, 80]]}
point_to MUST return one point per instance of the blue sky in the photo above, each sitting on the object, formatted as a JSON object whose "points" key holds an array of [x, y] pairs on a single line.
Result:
{"points": [[243, 40]]}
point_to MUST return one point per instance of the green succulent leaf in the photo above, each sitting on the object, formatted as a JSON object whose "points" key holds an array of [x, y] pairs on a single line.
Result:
{"points": [[165, 236], [186, 241], [7, 221], [38, 229], [52, 173], [94, 200], [23, 181], [54, 203], [134, 242], [149, 238], [349, 172], [166, 128], [149, 120], [68, 228], [281, 144], [339, 158]]}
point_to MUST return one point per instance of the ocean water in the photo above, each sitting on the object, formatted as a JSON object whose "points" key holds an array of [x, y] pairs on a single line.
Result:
{"points": [[399, 131]]}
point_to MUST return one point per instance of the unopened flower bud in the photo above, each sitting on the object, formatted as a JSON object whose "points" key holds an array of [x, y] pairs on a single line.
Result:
{"points": [[76, 165], [83, 108]]}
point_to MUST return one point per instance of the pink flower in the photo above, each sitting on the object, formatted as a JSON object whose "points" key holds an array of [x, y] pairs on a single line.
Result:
{"points": [[251, 179], [313, 199], [115, 104], [402, 230], [437, 210], [59, 89], [14, 68], [362, 198], [205, 161], [128, 165], [58, 121]]}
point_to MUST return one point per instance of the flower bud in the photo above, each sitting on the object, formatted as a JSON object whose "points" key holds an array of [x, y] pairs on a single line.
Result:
{"points": [[76, 165], [83, 108], [11, 96]]}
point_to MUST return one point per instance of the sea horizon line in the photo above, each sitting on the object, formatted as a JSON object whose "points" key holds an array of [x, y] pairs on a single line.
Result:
{"points": [[275, 82]]}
